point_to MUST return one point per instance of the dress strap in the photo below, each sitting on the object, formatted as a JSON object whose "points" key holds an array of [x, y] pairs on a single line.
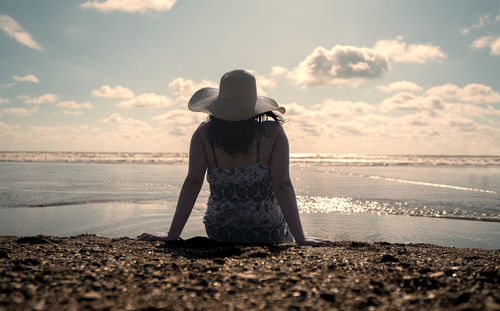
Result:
{"points": [[213, 153], [258, 148]]}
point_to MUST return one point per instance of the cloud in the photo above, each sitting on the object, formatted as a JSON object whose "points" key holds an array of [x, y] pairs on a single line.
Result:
{"points": [[345, 64], [69, 105], [87, 105], [463, 124], [410, 101], [131, 133], [327, 120], [263, 83], [12, 28], [400, 86], [180, 117], [337, 66], [277, 71], [23, 112], [357, 127], [471, 110], [185, 88], [483, 20], [73, 108], [43, 99], [147, 100], [180, 122], [417, 119], [337, 109], [6, 85], [107, 137], [129, 6], [480, 24], [473, 93], [482, 42], [489, 42], [4, 100], [399, 51], [113, 92], [26, 78], [117, 118], [181, 86], [331, 126], [72, 112]]}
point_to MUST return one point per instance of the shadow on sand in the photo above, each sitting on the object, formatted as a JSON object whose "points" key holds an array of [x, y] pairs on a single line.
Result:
{"points": [[202, 247]]}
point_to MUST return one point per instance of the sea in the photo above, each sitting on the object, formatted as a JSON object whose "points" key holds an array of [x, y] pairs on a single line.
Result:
{"points": [[438, 199]]}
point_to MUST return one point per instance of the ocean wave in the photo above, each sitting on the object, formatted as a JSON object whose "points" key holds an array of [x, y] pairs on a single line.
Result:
{"points": [[395, 160], [65, 203], [428, 184], [297, 159]]}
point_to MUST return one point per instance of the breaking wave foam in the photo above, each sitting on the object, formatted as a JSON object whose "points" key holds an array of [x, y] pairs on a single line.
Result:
{"points": [[306, 159]]}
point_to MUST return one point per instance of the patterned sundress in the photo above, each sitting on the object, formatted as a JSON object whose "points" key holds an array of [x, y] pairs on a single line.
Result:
{"points": [[242, 206]]}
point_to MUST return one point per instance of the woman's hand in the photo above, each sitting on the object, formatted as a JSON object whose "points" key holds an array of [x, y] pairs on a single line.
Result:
{"points": [[312, 241], [155, 236]]}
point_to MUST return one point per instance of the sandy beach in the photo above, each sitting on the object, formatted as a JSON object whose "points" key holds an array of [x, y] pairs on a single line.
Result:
{"points": [[92, 272]]}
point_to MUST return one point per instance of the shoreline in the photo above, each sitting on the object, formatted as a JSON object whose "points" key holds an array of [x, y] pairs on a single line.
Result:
{"points": [[89, 271], [118, 220]]}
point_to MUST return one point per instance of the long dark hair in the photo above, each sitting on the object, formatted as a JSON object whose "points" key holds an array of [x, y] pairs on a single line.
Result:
{"points": [[236, 136]]}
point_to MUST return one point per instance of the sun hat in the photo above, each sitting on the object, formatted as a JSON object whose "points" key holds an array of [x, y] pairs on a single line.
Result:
{"points": [[235, 100]]}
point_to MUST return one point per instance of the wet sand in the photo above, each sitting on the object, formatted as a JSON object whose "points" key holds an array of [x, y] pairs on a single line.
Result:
{"points": [[92, 272]]}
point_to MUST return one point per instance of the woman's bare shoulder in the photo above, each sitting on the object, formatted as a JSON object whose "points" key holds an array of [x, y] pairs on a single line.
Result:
{"points": [[272, 126], [203, 126], [202, 129], [272, 129], [200, 134]]}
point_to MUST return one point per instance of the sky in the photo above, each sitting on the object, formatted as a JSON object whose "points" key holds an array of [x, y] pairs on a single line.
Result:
{"points": [[365, 77]]}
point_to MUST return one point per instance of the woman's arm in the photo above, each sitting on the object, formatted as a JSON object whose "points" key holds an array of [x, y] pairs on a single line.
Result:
{"points": [[283, 188], [189, 192], [192, 185], [282, 185]]}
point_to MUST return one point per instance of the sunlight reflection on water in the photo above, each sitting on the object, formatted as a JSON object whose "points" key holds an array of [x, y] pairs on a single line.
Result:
{"points": [[312, 205]]}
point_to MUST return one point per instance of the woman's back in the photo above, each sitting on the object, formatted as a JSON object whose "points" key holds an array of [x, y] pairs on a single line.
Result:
{"points": [[242, 205], [266, 135]]}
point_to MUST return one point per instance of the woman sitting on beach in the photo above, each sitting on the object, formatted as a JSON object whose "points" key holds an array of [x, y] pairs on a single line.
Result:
{"points": [[251, 195]]}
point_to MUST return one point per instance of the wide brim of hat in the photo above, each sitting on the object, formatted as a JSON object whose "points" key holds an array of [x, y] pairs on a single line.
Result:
{"points": [[207, 100]]}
